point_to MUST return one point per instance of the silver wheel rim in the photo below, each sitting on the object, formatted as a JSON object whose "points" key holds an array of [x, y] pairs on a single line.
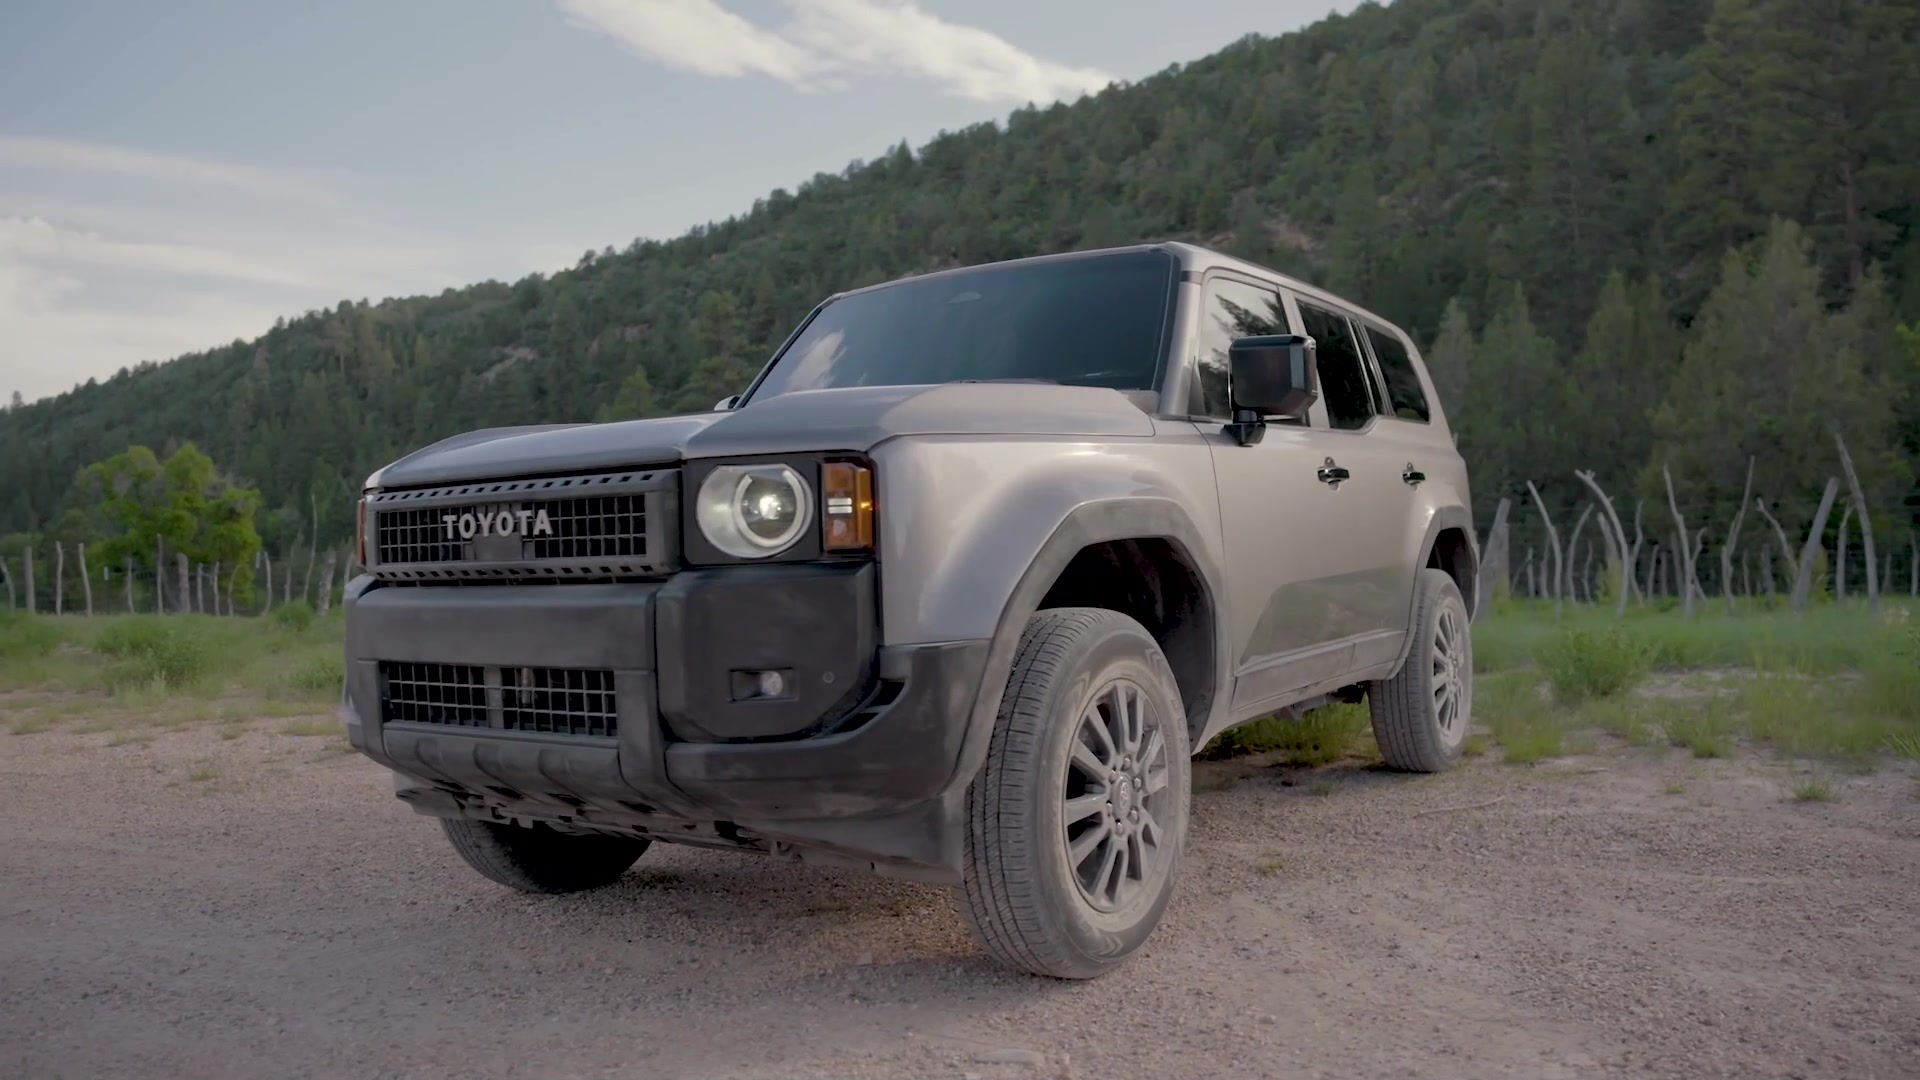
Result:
{"points": [[1450, 675], [1117, 781]]}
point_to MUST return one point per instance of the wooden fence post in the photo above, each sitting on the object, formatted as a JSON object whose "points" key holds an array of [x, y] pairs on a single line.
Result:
{"points": [[184, 602], [326, 585], [128, 574], [29, 563], [85, 581], [1803, 579], [1866, 525], [8, 576], [59, 578]]}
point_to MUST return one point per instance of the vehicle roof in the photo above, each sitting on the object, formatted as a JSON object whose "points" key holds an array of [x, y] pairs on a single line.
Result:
{"points": [[1194, 259]]}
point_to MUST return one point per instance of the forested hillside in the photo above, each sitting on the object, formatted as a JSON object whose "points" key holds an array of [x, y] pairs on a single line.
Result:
{"points": [[1571, 203]]}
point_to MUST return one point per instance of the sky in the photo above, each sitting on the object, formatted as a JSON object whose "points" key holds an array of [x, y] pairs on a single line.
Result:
{"points": [[175, 176]]}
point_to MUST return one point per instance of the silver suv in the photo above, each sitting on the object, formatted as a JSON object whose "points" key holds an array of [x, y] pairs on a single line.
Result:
{"points": [[953, 591]]}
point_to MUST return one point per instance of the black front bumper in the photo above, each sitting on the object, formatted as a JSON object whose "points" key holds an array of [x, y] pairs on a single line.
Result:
{"points": [[858, 761]]}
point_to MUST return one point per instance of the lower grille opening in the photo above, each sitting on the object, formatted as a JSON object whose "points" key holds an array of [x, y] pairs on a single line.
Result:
{"points": [[555, 701], [566, 701], [453, 694]]}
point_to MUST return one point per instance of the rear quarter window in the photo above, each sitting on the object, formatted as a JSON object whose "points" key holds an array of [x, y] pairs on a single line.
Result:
{"points": [[1405, 395]]}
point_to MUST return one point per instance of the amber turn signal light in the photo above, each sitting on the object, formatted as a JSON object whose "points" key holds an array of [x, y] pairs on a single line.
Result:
{"points": [[846, 492], [360, 530]]}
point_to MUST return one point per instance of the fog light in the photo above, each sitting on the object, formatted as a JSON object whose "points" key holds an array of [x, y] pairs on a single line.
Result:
{"points": [[761, 685]]}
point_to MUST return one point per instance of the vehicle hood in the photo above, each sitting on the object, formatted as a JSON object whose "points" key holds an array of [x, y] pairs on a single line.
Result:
{"points": [[851, 418]]}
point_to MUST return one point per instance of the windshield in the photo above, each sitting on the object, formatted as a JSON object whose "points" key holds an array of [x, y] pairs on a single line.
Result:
{"points": [[1093, 321]]}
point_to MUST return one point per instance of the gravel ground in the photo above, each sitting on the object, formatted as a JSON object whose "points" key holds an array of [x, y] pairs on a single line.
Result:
{"points": [[261, 906]]}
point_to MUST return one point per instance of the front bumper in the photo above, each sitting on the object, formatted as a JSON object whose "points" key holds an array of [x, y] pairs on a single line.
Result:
{"points": [[858, 762]]}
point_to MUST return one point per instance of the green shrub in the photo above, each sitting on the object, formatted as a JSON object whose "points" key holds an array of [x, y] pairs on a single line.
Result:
{"points": [[296, 615], [26, 637], [156, 651], [1705, 727], [319, 674], [1581, 663]]}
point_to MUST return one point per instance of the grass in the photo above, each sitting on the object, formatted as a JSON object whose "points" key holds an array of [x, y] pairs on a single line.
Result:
{"points": [[1321, 737], [1524, 723], [173, 669], [1813, 790], [1582, 663], [1826, 639], [1834, 683]]}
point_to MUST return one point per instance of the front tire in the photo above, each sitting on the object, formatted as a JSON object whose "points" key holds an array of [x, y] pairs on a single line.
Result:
{"points": [[1421, 715], [1076, 824], [537, 859]]}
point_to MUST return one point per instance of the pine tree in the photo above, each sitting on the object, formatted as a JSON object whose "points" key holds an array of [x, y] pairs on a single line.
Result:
{"points": [[1619, 376], [1517, 408], [1768, 372], [1449, 361], [1714, 205]]}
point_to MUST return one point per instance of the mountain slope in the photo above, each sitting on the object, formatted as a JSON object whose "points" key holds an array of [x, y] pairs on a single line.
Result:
{"points": [[1409, 155]]}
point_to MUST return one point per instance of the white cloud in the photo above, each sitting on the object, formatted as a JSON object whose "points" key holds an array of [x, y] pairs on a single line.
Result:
{"points": [[829, 41], [167, 254], [693, 35], [72, 156], [883, 38], [36, 240]]}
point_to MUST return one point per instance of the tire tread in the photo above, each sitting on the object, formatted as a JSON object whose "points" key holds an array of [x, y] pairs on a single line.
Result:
{"points": [[1002, 897]]}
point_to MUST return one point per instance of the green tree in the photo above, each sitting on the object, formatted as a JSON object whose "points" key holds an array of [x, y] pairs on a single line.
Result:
{"points": [[1449, 361], [1619, 376], [1768, 372], [1715, 204], [141, 502], [633, 401], [1516, 411]]}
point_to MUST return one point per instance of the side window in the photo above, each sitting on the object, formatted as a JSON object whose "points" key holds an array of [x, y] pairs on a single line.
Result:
{"points": [[1234, 309], [1344, 384], [1403, 383]]}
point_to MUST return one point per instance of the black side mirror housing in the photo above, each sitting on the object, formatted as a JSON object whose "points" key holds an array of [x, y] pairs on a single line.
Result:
{"points": [[1272, 375]]}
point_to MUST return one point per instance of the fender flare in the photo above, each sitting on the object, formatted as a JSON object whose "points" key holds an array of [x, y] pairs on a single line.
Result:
{"points": [[1101, 521], [1444, 518]]}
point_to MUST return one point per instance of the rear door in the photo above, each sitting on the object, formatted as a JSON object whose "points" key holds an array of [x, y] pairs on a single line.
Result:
{"points": [[1368, 600]]}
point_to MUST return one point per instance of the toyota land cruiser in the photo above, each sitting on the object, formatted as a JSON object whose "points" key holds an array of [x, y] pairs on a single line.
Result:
{"points": [[953, 590]]}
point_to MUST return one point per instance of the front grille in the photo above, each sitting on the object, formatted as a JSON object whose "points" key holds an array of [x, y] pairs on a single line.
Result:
{"points": [[610, 525], [555, 701]]}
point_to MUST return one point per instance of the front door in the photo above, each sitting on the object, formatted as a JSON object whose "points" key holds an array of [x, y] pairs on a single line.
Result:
{"points": [[1283, 527]]}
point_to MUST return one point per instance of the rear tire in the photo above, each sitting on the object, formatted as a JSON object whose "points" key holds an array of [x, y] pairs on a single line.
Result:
{"points": [[537, 859], [1421, 715], [1074, 838]]}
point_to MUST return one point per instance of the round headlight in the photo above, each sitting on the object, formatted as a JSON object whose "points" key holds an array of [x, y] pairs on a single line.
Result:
{"points": [[753, 511]]}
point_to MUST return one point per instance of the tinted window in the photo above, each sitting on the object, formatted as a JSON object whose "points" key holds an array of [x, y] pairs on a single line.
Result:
{"points": [[1403, 383], [1234, 309], [1344, 384], [1093, 321]]}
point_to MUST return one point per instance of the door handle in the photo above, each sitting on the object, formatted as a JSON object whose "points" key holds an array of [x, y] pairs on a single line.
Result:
{"points": [[1331, 473], [1412, 475]]}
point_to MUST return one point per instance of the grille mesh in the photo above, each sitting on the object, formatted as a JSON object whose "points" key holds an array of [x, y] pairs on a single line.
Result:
{"points": [[453, 694], [577, 527], [567, 701], [557, 701]]}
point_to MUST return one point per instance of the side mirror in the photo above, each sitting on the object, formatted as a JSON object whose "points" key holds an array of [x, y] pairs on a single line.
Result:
{"points": [[1271, 376], [726, 403]]}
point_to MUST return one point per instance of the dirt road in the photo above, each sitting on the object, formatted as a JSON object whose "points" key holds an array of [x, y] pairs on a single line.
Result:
{"points": [[261, 906]]}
